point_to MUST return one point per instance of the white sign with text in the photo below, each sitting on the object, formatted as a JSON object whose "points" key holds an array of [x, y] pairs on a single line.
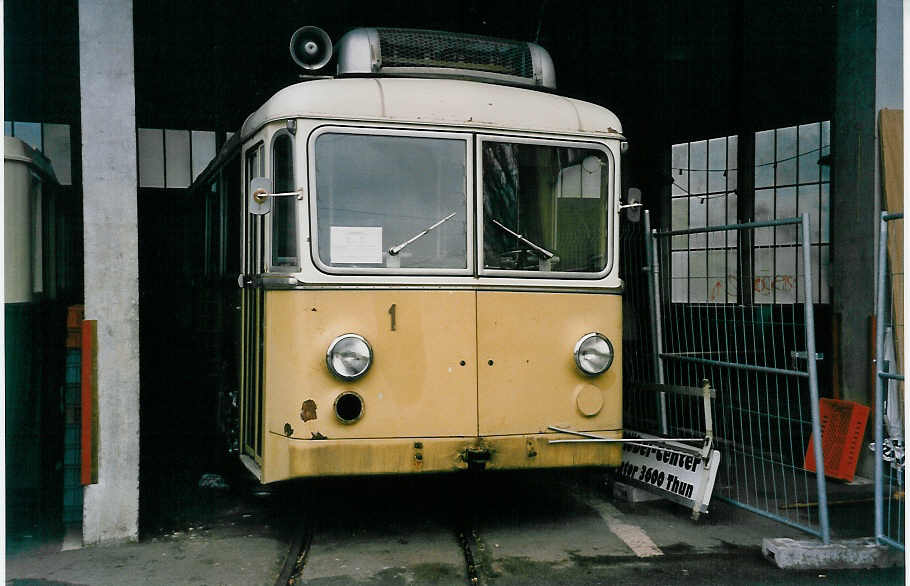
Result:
{"points": [[677, 475]]}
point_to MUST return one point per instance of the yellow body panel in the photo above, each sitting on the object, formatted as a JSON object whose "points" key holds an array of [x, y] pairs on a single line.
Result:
{"points": [[416, 386], [533, 381], [421, 409]]}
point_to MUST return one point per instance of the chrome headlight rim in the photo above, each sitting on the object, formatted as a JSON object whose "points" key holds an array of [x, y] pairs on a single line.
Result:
{"points": [[330, 353], [576, 353]]}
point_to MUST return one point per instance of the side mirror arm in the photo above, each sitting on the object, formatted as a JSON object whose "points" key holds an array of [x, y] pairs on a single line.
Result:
{"points": [[632, 205], [260, 198]]}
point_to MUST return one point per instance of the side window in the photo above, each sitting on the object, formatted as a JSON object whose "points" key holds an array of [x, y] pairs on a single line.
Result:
{"points": [[255, 163], [284, 212], [255, 167]]}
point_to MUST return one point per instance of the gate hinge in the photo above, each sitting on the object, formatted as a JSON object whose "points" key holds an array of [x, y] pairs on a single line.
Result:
{"points": [[796, 355], [804, 355]]}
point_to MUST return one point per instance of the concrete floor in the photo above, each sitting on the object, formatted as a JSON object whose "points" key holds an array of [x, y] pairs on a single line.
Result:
{"points": [[542, 528], [524, 528]]}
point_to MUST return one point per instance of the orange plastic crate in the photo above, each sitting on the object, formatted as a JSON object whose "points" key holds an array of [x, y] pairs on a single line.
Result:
{"points": [[843, 424]]}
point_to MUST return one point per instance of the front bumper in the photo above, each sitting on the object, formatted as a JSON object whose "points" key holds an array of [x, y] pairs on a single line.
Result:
{"points": [[287, 458]]}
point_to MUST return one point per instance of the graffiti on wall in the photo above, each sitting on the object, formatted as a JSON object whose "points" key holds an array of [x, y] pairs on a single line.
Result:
{"points": [[762, 286]]}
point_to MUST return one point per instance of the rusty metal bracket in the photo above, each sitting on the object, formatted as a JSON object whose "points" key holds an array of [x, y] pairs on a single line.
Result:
{"points": [[478, 455]]}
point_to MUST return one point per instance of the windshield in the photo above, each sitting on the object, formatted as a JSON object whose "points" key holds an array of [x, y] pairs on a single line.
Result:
{"points": [[544, 208], [391, 202]]}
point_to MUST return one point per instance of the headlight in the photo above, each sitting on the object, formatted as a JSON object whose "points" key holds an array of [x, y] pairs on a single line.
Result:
{"points": [[593, 354], [349, 356]]}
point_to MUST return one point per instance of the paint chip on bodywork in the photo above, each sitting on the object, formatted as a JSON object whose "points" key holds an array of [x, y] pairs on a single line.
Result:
{"points": [[308, 410]]}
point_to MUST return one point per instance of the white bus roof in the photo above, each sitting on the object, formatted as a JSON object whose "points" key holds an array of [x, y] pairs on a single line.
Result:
{"points": [[444, 102]]}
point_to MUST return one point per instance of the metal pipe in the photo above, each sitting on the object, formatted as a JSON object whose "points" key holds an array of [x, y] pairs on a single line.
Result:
{"points": [[891, 542], [627, 440], [600, 437], [725, 227], [772, 516], [656, 332], [890, 376], [592, 438], [709, 423], [879, 361], [813, 384], [735, 365], [573, 432]]}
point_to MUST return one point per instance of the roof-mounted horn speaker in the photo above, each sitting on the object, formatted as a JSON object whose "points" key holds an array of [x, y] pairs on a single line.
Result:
{"points": [[311, 47]]}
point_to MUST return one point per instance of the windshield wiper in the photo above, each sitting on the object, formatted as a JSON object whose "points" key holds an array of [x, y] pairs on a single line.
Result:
{"points": [[539, 249], [396, 249]]}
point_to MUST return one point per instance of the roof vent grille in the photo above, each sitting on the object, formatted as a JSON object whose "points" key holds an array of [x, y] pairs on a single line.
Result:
{"points": [[417, 48], [424, 53]]}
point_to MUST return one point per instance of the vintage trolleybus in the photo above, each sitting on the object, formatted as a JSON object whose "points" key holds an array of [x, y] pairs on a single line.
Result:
{"points": [[429, 248]]}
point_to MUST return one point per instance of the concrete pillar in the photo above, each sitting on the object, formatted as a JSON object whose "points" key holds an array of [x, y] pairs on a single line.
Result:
{"points": [[853, 206], [109, 175]]}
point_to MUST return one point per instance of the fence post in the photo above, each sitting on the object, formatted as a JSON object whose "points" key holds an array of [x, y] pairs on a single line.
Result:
{"points": [[656, 333], [813, 383], [879, 356]]}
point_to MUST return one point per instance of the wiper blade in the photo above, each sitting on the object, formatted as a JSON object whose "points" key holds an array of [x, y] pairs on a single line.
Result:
{"points": [[539, 249], [396, 249]]}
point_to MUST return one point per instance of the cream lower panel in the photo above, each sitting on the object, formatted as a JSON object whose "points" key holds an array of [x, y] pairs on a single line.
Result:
{"points": [[292, 458], [527, 378], [422, 382]]}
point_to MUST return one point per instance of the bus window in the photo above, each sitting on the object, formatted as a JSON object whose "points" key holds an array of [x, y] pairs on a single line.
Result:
{"points": [[284, 216], [544, 208], [377, 194], [255, 167], [255, 163]]}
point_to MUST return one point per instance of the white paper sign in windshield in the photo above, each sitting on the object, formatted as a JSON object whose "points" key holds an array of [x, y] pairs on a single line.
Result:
{"points": [[355, 245]]}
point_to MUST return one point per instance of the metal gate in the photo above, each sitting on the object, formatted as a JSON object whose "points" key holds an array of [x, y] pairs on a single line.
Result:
{"points": [[889, 385], [758, 352]]}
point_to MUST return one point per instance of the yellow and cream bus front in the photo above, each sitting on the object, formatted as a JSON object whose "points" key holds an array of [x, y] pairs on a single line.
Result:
{"points": [[429, 296]]}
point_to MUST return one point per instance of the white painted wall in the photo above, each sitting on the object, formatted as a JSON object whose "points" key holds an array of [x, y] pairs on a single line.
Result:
{"points": [[889, 64]]}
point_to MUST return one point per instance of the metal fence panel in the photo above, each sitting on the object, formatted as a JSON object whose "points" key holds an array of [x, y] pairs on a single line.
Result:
{"points": [[758, 352], [889, 385]]}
